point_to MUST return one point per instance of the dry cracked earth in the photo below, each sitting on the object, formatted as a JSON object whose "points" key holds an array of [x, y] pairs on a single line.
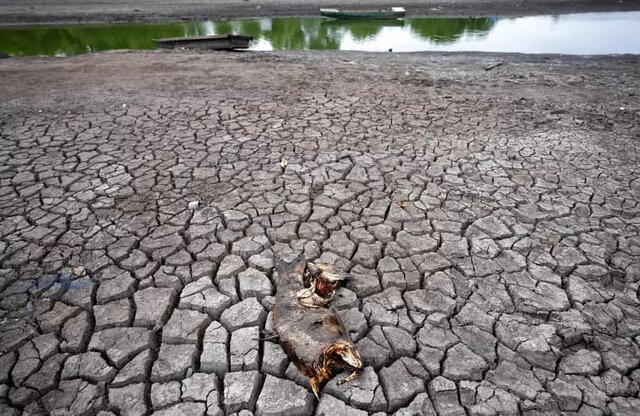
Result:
{"points": [[488, 221]]}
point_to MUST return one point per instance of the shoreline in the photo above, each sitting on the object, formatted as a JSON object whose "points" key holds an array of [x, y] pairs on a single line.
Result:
{"points": [[38, 12]]}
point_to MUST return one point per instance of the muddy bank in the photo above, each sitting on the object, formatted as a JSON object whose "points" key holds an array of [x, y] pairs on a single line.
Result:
{"points": [[102, 11], [159, 74]]}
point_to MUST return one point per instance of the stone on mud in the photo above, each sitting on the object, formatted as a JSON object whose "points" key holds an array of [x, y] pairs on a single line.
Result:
{"points": [[330, 406], [241, 390], [121, 344], [173, 362], [462, 364], [400, 386], [582, 362], [281, 397], [365, 392], [249, 312]]}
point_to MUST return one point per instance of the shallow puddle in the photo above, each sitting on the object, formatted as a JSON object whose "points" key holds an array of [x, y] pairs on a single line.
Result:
{"points": [[589, 33]]}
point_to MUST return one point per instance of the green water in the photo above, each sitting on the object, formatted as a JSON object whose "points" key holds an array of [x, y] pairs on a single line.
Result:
{"points": [[278, 33], [587, 33]]}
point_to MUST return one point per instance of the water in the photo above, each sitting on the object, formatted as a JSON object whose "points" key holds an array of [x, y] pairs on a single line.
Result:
{"points": [[589, 33]]}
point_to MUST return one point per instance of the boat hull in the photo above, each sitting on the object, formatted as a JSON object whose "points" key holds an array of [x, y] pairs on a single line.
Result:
{"points": [[225, 42], [362, 15]]}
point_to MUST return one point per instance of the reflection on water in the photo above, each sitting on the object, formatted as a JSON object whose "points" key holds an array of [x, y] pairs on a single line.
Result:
{"points": [[77, 39], [442, 30], [591, 33]]}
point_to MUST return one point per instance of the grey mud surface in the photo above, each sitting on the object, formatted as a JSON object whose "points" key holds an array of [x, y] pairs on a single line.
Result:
{"points": [[488, 221], [107, 11]]}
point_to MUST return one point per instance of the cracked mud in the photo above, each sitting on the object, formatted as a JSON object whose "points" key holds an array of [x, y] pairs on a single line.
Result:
{"points": [[489, 223]]}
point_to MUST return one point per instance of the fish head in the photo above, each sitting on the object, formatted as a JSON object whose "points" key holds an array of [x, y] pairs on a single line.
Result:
{"points": [[315, 383], [305, 292], [325, 289], [323, 279], [314, 301], [349, 354], [337, 357], [327, 272]]}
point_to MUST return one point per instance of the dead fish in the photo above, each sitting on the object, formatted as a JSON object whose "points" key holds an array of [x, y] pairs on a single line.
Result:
{"points": [[314, 338]]}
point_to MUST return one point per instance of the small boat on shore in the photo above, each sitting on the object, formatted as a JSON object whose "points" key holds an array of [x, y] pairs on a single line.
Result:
{"points": [[218, 42], [390, 13]]}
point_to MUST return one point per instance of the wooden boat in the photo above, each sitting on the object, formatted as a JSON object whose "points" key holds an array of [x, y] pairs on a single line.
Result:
{"points": [[390, 13], [219, 42], [362, 23]]}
